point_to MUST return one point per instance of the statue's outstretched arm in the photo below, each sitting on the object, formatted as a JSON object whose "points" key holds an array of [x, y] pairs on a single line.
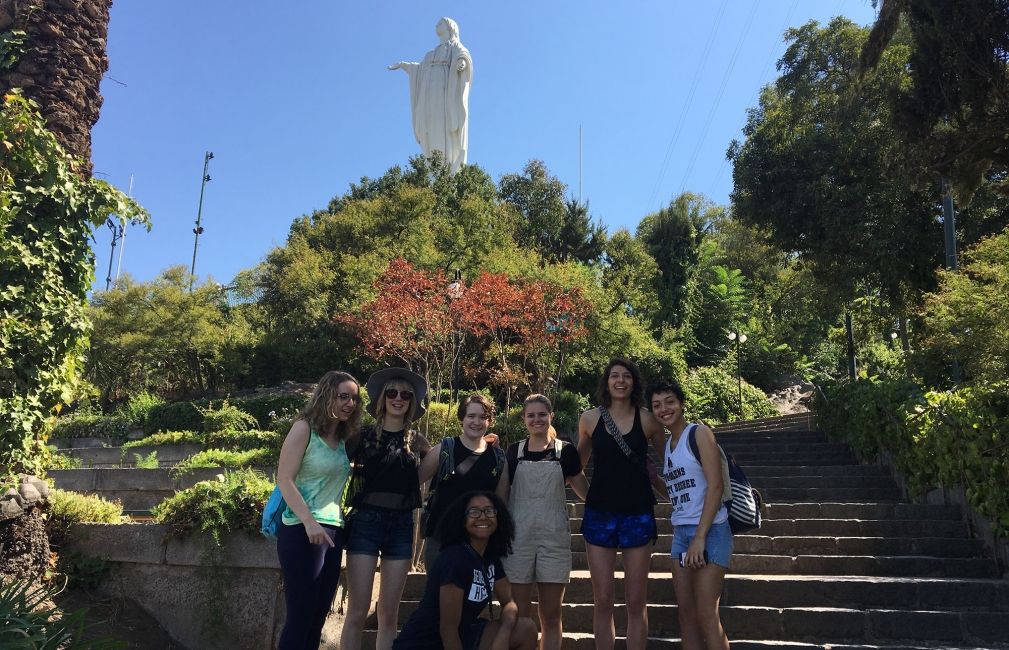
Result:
{"points": [[406, 66]]}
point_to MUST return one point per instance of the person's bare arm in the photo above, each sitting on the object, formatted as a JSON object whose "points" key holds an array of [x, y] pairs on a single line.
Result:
{"points": [[656, 435], [291, 454], [428, 466], [586, 423], [711, 465], [450, 602], [509, 614]]}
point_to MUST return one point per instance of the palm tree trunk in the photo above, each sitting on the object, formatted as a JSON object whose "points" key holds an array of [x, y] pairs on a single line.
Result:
{"points": [[62, 64]]}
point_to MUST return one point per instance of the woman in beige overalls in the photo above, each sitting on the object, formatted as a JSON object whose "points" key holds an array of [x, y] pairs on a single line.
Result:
{"points": [[537, 471]]}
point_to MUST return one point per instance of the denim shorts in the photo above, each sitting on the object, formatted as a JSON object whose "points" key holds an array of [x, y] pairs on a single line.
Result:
{"points": [[718, 543], [382, 533], [616, 530]]}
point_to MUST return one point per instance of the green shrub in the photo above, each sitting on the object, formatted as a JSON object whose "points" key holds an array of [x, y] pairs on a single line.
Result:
{"points": [[57, 460], [568, 407], [67, 508], [28, 619], [150, 461], [233, 502], [165, 438], [227, 417], [244, 440], [139, 406], [439, 422], [174, 416], [227, 458], [713, 397], [508, 426], [934, 439], [268, 408], [88, 425]]}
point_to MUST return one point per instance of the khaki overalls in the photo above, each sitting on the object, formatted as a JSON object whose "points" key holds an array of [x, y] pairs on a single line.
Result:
{"points": [[538, 503]]}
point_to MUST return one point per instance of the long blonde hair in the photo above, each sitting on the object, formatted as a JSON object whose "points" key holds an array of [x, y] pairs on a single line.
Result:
{"points": [[408, 418], [319, 411], [539, 398]]}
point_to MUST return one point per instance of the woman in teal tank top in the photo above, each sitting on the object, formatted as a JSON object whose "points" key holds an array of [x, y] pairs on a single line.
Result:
{"points": [[312, 475]]}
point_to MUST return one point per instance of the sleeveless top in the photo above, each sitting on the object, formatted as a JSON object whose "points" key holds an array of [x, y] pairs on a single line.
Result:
{"points": [[388, 471], [618, 484], [686, 484], [321, 480]]}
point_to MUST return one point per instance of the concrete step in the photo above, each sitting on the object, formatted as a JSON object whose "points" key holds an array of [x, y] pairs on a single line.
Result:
{"points": [[810, 591], [779, 447], [828, 624], [586, 641], [839, 528], [770, 437], [830, 510], [862, 565], [107, 457], [138, 490], [826, 482], [850, 494], [760, 545], [794, 458], [753, 471]]}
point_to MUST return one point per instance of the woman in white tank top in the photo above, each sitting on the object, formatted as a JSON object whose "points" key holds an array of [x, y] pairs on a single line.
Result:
{"points": [[702, 539]]}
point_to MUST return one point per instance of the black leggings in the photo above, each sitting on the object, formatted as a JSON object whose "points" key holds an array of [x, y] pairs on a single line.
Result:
{"points": [[311, 573]]}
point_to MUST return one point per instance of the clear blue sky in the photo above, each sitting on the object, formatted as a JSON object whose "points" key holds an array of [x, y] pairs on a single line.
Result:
{"points": [[295, 102]]}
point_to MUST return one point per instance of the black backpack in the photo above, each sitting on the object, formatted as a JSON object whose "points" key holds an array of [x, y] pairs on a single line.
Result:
{"points": [[446, 469], [741, 500]]}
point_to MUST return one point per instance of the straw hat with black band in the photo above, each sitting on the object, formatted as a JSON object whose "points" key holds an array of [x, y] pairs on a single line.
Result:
{"points": [[379, 379]]}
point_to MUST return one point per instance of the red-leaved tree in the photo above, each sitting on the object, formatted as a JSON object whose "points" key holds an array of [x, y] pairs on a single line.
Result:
{"points": [[409, 320]]}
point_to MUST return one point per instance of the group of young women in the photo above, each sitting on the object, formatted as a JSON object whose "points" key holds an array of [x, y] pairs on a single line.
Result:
{"points": [[497, 521]]}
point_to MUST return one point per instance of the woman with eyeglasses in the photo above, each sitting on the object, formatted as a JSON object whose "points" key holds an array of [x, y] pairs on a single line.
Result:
{"points": [[475, 532], [312, 475], [537, 471], [387, 459]]}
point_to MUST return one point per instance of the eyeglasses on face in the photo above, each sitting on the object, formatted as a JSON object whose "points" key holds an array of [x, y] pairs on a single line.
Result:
{"points": [[348, 397], [488, 511], [391, 393]]}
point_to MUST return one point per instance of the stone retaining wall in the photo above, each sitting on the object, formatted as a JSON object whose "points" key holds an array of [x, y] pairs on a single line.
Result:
{"points": [[205, 597]]}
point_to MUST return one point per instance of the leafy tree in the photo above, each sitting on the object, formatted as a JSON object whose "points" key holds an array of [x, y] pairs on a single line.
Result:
{"points": [[815, 168], [159, 336], [580, 239], [47, 212], [628, 274], [672, 237], [967, 317], [716, 304], [955, 107], [558, 230]]}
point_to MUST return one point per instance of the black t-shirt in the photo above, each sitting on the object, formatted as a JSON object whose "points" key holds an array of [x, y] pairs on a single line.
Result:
{"points": [[483, 476], [388, 472], [571, 464], [463, 567]]}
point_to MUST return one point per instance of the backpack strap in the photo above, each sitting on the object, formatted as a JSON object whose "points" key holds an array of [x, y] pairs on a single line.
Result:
{"points": [[499, 456], [692, 442], [446, 461]]}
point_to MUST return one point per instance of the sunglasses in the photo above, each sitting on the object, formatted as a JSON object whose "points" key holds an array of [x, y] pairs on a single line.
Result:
{"points": [[474, 513], [391, 393]]}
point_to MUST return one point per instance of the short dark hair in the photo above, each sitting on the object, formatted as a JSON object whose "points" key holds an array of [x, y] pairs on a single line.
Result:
{"points": [[664, 386], [452, 527], [603, 390], [475, 398]]}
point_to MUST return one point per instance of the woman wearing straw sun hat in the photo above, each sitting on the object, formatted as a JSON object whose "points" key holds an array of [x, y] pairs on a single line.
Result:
{"points": [[386, 458]]}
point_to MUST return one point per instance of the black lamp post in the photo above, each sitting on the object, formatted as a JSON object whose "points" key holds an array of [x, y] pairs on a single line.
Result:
{"points": [[739, 338]]}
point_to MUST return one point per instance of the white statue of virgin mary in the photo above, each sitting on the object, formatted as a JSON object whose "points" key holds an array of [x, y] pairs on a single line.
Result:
{"points": [[439, 96]]}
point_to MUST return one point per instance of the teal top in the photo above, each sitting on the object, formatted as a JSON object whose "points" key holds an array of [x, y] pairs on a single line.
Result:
{"points": [[321, 480]]}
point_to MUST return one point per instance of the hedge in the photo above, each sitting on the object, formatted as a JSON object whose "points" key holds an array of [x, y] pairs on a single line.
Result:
{"points": [[934, 439]]}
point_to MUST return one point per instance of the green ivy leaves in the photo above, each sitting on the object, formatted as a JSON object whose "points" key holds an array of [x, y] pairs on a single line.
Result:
{"points": [[47, 213]]}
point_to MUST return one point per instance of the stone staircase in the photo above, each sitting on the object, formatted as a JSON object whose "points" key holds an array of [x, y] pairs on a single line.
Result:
{"points": [[839, 562]]}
